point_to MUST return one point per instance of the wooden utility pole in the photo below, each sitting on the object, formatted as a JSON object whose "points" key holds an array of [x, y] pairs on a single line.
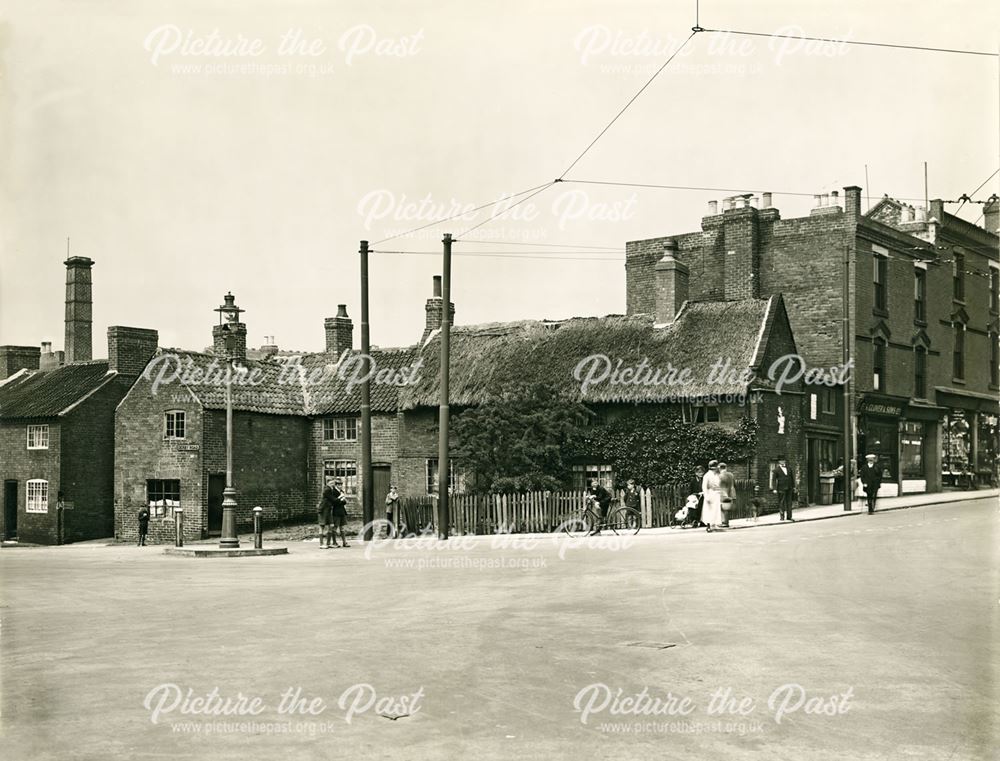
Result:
{"points": [[444, 465], [367, 495]]}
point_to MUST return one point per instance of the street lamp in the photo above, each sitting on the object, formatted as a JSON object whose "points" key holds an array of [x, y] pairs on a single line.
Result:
{"points": [[229, 539]]}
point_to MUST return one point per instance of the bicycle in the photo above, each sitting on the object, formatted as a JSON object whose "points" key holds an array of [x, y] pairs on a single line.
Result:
{"points": [[621, 520]]}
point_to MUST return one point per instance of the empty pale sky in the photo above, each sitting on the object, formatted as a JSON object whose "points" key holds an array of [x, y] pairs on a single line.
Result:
{"points": [[184, 151]]}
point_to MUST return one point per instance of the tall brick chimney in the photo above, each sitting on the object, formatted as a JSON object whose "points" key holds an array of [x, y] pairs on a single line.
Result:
{"points": [[742, 251], [339, 332], [79, 309], [130, 349], [230, 327], [671, 284], [434, 309], [14, 358]]}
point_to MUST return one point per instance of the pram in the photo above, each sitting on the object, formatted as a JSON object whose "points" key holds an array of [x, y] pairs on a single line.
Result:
{"points": [[689, 516]]}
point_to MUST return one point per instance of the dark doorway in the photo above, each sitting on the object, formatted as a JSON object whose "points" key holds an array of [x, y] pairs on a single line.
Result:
{"points": [[10, 509], [216, 485], [381, 481]]}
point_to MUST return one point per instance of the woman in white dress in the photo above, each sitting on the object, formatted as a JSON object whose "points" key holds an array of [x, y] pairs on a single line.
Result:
{"points": [[711, 511]]}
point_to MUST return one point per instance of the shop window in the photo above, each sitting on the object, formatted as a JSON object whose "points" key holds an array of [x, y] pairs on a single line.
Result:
{"points": [[162, 496], [912, 450], [346, 471], [956, 450], [989, 449]]}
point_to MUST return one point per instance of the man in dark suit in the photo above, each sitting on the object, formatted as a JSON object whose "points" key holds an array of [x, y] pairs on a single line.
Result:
{"points": [[871, 478], [784, 487]]}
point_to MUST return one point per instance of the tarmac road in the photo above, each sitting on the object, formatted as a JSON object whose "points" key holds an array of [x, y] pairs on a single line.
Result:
{"points": [[871, 637]]}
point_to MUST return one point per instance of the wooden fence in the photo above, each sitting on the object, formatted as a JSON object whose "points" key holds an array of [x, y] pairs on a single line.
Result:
{"points": [[539, 512]]}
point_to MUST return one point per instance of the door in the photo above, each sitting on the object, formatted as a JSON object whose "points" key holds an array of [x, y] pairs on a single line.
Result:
{"points": [[10, 509], [812, 471], [216, 485], [381, 481]]}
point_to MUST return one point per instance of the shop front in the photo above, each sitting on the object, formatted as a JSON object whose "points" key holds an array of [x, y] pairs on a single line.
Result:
{"points": [[880, 425], [969, 439], [919, 453]]}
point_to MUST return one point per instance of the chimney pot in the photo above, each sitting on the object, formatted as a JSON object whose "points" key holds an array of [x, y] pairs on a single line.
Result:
{"points": [[835, 198], [765, 200], [342, 311], [713, 208], [46, 347], [436, 287], [672, 277], [817, 200], [727, 204]]}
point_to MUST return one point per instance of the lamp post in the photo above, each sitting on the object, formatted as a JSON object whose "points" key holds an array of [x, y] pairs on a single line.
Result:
{"points": [[229, 539]]}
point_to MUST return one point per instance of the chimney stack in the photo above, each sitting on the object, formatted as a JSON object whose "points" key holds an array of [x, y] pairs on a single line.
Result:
{"points": [[14, 358], [991, 215], [130, 349], [339, 332], [434, 309], [79, 309], [229, 337], [852, 203], [671, 284], [50, 359]]}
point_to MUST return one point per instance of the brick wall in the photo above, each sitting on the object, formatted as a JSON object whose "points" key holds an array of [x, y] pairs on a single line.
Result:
{"points": [[385, 450], [88, 463], [20, 464], [269, 464], [142, 453]]}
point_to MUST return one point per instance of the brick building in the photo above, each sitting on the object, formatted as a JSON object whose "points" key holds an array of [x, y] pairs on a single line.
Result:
{"points": [[57, 425], [295, 421], [922, 306]]}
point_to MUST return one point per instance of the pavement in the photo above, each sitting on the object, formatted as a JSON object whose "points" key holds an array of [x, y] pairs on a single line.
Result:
{"points": [[873, 638]]}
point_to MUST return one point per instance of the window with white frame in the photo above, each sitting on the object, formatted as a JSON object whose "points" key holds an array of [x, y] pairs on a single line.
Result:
{"points": [[38, 437], [456, 477], [38, 496], [346, 471], [162, 496], [174, 424], [584, 474], [340, 429]]}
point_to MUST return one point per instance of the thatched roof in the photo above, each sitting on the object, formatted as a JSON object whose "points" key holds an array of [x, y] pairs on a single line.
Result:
{"points": [[486, 359]]}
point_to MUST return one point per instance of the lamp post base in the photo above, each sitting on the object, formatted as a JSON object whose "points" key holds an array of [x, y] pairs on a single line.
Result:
{"points": [[229, 539]]}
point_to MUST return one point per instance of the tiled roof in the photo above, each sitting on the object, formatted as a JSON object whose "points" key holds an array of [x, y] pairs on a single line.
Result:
{"points": [[486, 359], [305, 384], [336, 393], [267, 387], [46, 393]]}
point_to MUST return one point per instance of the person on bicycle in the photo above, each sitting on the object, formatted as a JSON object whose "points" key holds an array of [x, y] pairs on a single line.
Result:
{"points": [[602, 497]]}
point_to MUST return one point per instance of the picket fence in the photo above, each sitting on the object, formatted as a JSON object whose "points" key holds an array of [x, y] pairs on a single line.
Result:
{"points": [[539, 512]]}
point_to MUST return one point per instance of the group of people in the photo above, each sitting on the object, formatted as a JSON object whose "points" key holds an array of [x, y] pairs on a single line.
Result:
{"points": [[716, 488]]}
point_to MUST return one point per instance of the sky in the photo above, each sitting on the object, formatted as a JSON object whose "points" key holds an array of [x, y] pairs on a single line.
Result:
{"points": [[194, 148]]}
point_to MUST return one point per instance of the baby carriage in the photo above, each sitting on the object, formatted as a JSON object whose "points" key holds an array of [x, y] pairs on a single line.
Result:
{"points": [[689, 516]]}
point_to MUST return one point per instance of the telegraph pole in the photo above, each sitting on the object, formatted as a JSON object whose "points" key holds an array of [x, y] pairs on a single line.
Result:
{"points": [[444, 465], [367, 496], [848, 434]]}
